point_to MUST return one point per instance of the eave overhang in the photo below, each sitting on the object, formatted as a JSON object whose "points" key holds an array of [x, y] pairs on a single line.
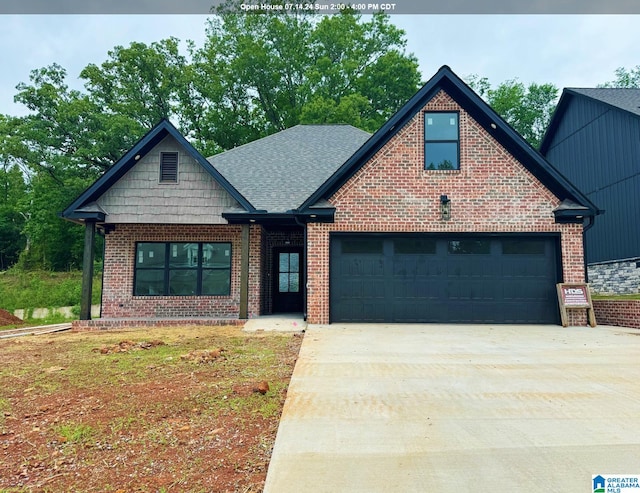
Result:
{"points": [[292, 218], [569, 212]]}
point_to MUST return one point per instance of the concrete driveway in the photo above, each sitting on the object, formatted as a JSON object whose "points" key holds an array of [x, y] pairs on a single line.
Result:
{"points": [[455, 408]]}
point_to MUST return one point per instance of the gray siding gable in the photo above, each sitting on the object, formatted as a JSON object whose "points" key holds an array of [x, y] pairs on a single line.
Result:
{"points": [[83, 208], [596, 144], [139, 197], [627, 99]]}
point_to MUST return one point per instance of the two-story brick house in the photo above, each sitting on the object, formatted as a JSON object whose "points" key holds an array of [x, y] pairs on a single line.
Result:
{"points": [[445, 214]]}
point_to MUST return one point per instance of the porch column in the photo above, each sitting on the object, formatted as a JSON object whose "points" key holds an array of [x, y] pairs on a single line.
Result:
{"points": [[244, 274], [87, 269]]}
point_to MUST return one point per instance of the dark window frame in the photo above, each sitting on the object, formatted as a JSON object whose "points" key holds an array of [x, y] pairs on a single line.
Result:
{"points": [[166, 269], [168, 175], [427, 141]]}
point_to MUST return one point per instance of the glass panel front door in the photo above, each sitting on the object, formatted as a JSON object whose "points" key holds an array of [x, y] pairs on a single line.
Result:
{"points": [[287, 296], [289, 272]]}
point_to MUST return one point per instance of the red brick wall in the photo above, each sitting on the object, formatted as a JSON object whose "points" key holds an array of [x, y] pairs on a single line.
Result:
{"points": [[491, 192], [117, 292], [624, 313]]}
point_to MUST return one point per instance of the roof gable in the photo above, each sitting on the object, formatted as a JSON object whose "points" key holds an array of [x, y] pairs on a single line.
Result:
{"points": [[80, 209], [620, 99], [627, 99], [451, 84], [279, 172]]}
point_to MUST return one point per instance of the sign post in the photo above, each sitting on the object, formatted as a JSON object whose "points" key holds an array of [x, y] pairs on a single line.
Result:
{"points": [[572, 296]]}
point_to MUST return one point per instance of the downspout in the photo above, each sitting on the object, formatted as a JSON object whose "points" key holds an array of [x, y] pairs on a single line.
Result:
{"points": [[304, 265], [584, 245]]}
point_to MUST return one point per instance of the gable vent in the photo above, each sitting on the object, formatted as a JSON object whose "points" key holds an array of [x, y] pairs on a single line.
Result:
{"points": [[168, 167]]}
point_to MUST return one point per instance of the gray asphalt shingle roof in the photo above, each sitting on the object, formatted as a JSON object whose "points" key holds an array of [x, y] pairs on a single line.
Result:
{"points": [[279, 172], [625, 99]]}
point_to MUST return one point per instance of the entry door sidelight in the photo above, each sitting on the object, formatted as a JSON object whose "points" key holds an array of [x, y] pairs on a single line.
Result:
{"points": [[288, 280]]}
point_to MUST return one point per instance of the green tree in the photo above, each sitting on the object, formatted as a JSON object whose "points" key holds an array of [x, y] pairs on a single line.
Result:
{"points": [[254, 75], [12, 194], [12, 191], [140, 82], [258, 74], [625, 78], [528, 109]]}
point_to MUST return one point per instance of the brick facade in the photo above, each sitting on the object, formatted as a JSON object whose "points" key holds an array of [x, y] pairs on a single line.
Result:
{"points": [[491, 192], [624, 313], [118, 300]]}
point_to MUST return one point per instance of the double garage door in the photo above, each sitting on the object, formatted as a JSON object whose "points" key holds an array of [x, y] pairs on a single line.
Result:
{"points": [[438, 279]]}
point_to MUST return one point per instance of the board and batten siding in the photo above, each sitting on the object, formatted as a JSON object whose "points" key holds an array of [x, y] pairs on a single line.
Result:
{"points": [[597, 147], [139, 197]]}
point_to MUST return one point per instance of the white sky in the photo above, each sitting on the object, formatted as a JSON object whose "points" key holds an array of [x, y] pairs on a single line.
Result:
{"points": [[566, 50]]}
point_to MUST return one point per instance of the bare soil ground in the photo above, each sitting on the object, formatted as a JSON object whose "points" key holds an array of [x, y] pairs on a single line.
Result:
{"points": [[192, 409], [7, 318]]}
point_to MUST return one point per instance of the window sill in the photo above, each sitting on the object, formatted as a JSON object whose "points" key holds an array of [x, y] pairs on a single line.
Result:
{"points": [[442, 171], [178, 296]]}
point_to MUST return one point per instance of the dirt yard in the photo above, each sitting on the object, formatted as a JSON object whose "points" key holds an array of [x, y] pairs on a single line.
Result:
{"points": [[7, 318], [191, 409]]}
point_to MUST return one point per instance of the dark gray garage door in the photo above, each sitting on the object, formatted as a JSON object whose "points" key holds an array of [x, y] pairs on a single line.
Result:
{"points": [[481, 279]]}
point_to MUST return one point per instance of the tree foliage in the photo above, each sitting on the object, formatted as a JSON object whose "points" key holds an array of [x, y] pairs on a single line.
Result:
{"points": [[253, 76], [259, 74], [625, 78], [528, 109]]}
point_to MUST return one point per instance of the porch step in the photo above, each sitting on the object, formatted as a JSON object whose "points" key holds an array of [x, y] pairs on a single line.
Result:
{"points": [[285, 322]]}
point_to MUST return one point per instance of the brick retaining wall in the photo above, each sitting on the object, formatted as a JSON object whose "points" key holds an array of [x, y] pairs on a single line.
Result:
{"points": [[624, 313], [114, 323]]}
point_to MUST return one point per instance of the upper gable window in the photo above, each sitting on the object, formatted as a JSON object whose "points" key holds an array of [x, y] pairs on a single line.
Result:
{"points": [[441, 140], [168, 167]]}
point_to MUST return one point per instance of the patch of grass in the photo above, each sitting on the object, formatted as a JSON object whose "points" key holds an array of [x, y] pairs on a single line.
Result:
{"points": [[5, 407], [177, 421], [635, 296], [21, 289], [76, 433]]}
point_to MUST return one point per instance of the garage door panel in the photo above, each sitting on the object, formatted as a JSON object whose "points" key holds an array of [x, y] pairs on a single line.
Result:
{"points": [[360, 289], [517, 290], [470, 266], [362, 266], [427, 279], [416, 266]]}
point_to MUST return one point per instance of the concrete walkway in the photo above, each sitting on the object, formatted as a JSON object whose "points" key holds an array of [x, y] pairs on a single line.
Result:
{"points": [[434, 408], [285, 322]]}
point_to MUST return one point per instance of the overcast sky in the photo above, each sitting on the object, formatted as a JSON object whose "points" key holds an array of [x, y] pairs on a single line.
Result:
{"points": [[566, 50]]}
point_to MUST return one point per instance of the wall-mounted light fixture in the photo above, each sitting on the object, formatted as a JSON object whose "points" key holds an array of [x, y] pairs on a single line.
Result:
{"points": [[445, 208]]}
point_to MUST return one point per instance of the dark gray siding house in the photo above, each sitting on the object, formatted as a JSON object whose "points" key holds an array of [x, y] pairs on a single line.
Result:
{"points": [[594, 140]]}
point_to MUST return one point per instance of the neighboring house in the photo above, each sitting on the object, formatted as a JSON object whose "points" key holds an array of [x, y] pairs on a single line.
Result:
{"points": [[340, 225], [594, 140]]}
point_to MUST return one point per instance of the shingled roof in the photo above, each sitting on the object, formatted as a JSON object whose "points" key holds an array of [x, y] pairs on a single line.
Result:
{"points": [[623, 98], [279, 172]]}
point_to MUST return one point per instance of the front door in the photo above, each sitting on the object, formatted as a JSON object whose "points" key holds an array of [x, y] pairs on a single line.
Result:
{"points": [[288, 282]]}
